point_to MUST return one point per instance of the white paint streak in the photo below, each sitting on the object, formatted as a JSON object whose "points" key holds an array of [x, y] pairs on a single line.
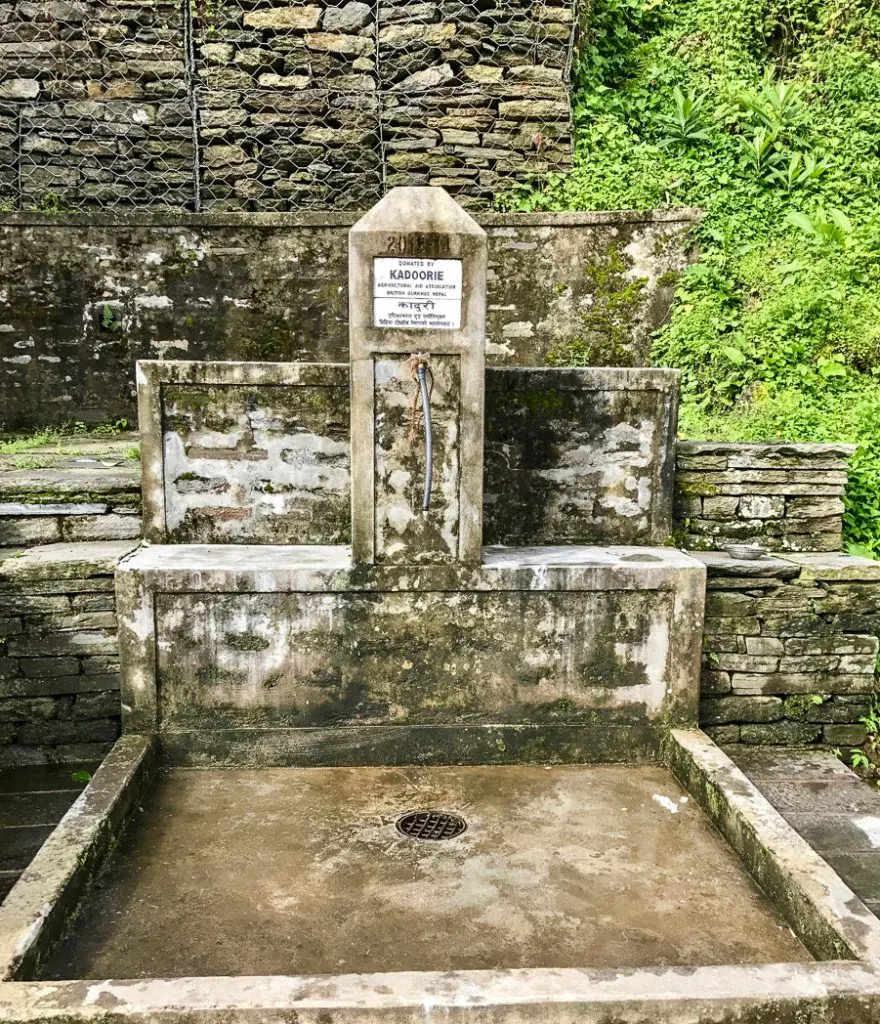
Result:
{"points": [[871, 827]]}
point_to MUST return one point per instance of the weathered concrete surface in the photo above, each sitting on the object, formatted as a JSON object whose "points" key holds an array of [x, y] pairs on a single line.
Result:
{"points": [[572, 455], [241, 651], [239, 452], [580, 456], [388, 524], [394, 478], [339, 891], [41, 904], [272, 287], [829, 993], [822, 911]]}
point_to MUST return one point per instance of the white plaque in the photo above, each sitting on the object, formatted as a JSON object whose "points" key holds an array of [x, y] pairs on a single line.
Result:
{"points": [[425, 294]]}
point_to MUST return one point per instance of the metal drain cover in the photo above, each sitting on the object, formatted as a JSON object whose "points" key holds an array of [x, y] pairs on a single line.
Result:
{"points": [[431, 825]]}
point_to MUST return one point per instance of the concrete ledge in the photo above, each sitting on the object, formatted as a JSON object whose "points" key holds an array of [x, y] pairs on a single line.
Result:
{"points": [[317, 648], [308, 219], [837, 993], [41, 904], [61, 561], [823, 912]]}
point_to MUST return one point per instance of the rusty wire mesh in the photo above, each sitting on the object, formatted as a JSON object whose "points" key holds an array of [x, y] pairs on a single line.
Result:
{"points": [[267, 105]]}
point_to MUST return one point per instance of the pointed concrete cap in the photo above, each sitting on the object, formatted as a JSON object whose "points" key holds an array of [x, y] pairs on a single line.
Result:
{"points": [[429, 210]]}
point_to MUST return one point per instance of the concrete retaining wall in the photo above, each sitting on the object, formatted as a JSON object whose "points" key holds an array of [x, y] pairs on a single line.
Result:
{"points": [[790, 643], [84, 297]]}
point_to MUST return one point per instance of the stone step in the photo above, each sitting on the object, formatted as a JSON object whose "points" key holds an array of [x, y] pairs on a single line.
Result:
{"points": [[73, 489]]}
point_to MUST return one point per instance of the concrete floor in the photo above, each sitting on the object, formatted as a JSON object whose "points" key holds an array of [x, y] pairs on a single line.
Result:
{"points": [[292, 871]]}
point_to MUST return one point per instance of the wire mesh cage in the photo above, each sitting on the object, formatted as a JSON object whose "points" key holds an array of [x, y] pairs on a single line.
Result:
{"points": [[266, 105]]}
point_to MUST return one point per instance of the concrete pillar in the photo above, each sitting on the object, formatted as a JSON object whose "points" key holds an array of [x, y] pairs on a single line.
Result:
{"points": [[417, 288]]}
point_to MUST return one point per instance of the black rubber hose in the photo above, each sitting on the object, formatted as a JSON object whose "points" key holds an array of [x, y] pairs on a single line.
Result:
{"points": [[422, 374]]}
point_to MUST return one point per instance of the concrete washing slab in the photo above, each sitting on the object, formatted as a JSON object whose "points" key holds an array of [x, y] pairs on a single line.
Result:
{"points": [[617, 856], [366, 899]]}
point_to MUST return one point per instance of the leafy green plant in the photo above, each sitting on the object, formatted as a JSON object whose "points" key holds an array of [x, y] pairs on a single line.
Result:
{"points": [[110, 318], [801, 169], [834, 229], [683, 127], [764, 115], [51, 205], [859, 759], [760, 151]]}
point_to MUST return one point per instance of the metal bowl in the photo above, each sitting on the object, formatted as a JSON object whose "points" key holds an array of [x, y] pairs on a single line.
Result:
{"points": [[749, 552]]}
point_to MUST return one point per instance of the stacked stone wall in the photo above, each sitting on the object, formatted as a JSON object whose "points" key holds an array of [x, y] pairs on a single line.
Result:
{"points": [[790, 648], [59, 662], [50, 506], [272, 105], [785, 497]]}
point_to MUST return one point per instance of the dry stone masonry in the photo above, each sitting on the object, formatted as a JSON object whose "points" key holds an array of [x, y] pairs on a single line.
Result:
{"points": [[790, 648], [59, 661], [271, 105], [783, 497]]}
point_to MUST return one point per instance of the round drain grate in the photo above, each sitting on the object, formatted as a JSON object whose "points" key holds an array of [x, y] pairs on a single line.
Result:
{"points": [[432, 825]]}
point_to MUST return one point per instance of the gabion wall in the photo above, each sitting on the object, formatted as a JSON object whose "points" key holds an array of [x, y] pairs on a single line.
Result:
{"points": [[261, 105]]}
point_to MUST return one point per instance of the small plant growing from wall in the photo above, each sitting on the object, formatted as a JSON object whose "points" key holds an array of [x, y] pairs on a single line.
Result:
{"points": [[866, 758], [111, 319], [610, 320]]}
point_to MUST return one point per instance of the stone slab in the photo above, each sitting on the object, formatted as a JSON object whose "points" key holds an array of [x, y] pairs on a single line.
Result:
{"points": [[788, 763], [109, 483], [834, 810], [760, 450], [41, 779], [834, 566], [12, 508], [822, 993], [18, 845], [46, 808], [720, 564], [825, 914], [339, 890], [62, 561]]}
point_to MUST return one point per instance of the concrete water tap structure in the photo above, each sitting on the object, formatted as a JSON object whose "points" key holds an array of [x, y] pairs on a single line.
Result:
{"points": [[331, 696]]}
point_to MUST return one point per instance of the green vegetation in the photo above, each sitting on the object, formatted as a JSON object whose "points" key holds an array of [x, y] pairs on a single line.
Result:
{"points": [[13, 444], [866, 758], [764, 114]]}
